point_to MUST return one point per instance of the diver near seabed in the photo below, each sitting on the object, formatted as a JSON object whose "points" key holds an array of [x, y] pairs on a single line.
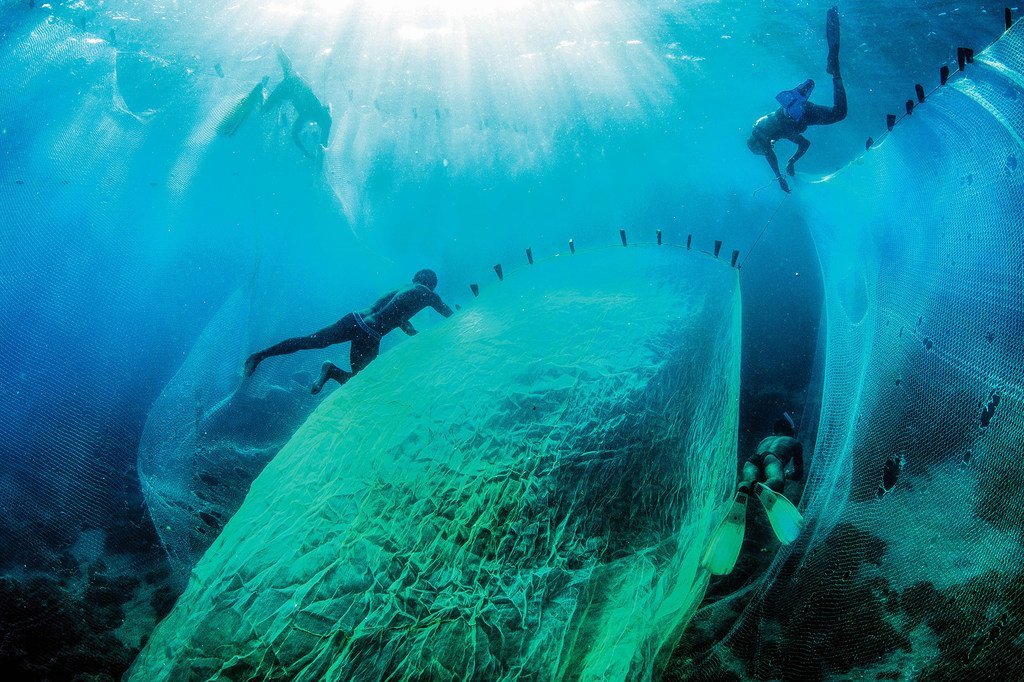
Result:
{"points": [[364, 329], [763, 475], [797, 113], [293, 88]]}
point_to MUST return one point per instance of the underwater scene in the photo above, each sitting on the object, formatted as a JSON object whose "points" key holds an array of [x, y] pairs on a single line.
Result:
{"points": [[511, 340]]}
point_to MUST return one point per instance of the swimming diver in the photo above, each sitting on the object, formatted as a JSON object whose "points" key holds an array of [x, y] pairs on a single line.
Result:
{"points": [[771, 457], [797, 113], [293, 88], [764, 476], [364, 329]]}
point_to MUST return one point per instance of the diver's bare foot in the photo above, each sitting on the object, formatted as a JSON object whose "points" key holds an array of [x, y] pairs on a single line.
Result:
{"points": [[251, 363], [325, 375]]}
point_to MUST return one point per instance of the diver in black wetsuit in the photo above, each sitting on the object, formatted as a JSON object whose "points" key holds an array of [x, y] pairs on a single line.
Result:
{"points": [[292, 88], [364, 329], [296, 90], [796, 114], [771, 457]]}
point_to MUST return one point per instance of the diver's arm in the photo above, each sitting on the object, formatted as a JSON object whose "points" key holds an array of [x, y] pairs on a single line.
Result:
{"points": [[440, 306], [803, 144], [773, 161], [408, 328]]}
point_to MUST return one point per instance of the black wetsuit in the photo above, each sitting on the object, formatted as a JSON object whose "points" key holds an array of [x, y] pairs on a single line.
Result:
{"points": [[778, 125], [294, 88]]}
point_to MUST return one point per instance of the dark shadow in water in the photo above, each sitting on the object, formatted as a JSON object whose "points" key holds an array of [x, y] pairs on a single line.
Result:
{"points": [[782, 307]]}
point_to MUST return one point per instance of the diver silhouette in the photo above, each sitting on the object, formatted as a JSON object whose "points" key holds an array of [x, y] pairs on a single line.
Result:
{"points": [[771, 457], [292, 88], [363, 329], [797, 113], [763, 477]]}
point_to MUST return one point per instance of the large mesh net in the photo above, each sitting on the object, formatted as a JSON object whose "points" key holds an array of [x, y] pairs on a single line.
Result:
{"points": [[911, 565], [142, 251], [524, 491], [114, 205]]}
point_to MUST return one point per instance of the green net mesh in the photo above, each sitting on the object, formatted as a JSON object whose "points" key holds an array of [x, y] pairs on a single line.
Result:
{"points": [[524, 491], [910, 566]]}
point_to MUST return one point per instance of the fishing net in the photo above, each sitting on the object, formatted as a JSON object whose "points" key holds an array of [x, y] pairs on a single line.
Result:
{"points": [[110, 188], [911, 564], [523, 491], [117, 192]]}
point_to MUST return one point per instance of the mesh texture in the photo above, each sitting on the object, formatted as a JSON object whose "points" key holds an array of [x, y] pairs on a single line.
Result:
{"points": [[524, 491]]}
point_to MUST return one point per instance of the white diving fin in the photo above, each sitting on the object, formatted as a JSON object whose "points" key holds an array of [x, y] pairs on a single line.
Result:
{"points": [[782, 514], [724, 548]]}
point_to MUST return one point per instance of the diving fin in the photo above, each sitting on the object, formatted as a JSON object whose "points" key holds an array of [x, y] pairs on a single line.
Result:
{"points": [[794, 102], [234, 119], [782, 514], [832, 36], [285, 61], [724, 548]]}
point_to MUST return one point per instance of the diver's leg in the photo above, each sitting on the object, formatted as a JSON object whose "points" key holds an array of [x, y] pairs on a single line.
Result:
{"points": [[839, 107], [364, 351], [774, 474], [751, 472], [339, 332], [329, 371], [278, 95], [832, 36], [817, 115]]}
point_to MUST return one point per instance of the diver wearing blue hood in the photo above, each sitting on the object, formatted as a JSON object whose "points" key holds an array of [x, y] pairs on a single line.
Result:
{"points": [[797, 113], [364, 329]]}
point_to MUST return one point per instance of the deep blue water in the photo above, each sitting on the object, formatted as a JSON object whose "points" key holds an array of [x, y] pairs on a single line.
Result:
{"points": [[460, 138]]}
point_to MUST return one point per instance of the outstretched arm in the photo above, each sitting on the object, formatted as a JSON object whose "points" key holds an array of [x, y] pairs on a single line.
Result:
{"points": [[803, 144], [773, 161], [441, 307]]}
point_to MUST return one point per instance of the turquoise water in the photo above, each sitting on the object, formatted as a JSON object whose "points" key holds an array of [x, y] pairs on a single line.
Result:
{"points": [[146, 255]]}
